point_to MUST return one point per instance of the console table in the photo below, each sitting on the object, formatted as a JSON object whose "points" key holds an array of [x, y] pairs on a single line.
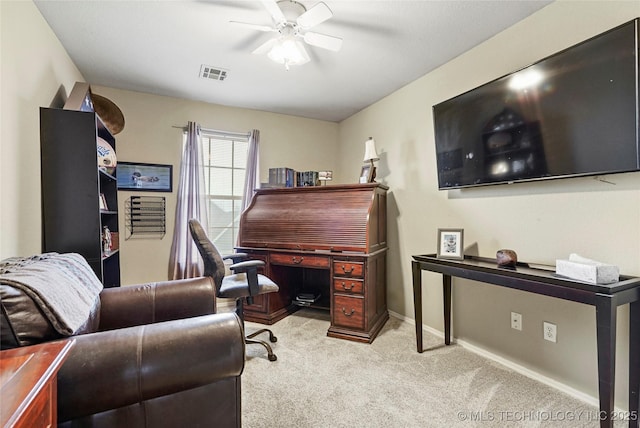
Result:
{"points": [[329, 241], [541, 279], [28, 384]]}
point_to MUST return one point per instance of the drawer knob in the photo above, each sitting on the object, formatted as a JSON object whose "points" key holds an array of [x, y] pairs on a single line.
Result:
{"points": [[297, 260], [344, 311], [346, 269], [344, 286]]}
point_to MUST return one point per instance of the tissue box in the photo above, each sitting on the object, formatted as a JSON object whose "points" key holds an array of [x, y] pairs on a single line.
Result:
{"points": [[587, 270]]}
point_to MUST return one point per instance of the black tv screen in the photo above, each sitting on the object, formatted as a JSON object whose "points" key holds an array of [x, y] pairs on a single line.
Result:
{"points": [[571, 114]]}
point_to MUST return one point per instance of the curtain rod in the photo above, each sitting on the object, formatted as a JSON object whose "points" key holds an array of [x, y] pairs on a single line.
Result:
{"points": [[217, 131]]}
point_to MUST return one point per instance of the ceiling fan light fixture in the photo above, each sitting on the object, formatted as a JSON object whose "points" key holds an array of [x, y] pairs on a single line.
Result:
{"points": [[288, 51], [291, 20]]}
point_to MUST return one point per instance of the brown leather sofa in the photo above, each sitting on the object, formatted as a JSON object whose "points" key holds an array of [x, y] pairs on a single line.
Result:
{"points": [[151, 355]]}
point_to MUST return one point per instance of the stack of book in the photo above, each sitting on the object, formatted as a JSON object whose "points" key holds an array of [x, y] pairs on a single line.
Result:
{"points": [[282, 177], [306, 299], [287, 177], [307, 178]]}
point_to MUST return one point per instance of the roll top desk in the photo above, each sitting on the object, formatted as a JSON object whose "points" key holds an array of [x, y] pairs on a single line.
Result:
{"points": [[326, 241]]}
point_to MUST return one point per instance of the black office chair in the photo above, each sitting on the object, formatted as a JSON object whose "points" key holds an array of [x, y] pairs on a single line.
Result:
{"points": [[244, 283]]}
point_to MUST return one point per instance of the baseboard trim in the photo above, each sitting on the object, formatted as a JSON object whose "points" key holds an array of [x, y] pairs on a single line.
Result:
{"points": [[586, 398]]}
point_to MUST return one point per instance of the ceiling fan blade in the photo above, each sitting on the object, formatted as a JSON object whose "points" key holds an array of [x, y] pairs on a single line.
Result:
{"points": [[265, 47], [274, 10], [303, 53], [258, 27], [314, 16], [323, 41]]}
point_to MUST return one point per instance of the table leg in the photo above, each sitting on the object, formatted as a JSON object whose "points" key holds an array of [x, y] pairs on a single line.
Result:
{"points": [[417, 302], [446, 292], [634, 363], [606, 338]]}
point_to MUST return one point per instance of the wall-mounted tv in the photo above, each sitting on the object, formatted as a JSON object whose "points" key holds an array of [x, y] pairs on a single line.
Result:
{"points": [[574, 113]]}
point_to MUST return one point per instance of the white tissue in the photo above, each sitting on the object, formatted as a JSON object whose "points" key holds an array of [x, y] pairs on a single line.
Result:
{"points": [[587, 270]]}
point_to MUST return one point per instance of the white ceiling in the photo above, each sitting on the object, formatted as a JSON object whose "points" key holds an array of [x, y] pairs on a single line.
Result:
{"points": [[158, 47]]}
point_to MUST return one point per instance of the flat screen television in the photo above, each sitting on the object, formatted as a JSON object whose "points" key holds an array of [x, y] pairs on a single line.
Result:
{"points": [[574, 113]]}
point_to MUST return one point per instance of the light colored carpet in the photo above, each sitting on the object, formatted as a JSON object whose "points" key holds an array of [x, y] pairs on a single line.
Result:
{"points": [[319, 381]]}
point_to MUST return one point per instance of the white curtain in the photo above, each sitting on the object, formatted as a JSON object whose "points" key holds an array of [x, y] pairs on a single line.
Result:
{"points": [[252, 171], [184, 260]]}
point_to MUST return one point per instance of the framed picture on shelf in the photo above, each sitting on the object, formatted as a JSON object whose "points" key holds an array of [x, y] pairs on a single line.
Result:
{"points": [[103, 203], [365, 174], [325, 176], [451, 244], [146, 177]]}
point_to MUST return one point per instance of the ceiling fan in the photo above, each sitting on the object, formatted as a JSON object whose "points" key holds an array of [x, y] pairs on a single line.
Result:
{"points": [[292, 20]]}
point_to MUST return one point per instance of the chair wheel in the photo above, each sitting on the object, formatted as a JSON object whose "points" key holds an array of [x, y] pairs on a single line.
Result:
{"points": [[272, 357]]}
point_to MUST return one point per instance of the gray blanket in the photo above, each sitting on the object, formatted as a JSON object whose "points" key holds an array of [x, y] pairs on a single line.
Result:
{"points": [[63, 285]]}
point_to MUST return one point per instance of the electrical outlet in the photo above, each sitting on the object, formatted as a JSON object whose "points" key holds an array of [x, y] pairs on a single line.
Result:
{"points": [[516, 321], [549, 332]]}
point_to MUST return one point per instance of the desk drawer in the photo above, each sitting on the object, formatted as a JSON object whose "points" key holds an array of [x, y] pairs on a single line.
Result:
{"points": [[348, 285], [301, 260], [348, 269], [348, 311]]}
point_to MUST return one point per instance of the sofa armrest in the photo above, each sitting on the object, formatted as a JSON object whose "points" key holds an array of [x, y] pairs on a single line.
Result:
{"points": [[154, 302], [113, 369]]}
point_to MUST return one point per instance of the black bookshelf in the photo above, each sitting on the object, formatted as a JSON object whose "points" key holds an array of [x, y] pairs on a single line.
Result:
{"points": [[72, 217]]}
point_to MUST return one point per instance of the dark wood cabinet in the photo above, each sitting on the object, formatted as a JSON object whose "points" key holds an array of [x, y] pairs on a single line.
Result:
{"points": [[328, 241], [73, 219]]}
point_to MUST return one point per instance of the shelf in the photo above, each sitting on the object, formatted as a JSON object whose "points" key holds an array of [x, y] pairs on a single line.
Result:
{"points": [[111, 254], [107, 175]]}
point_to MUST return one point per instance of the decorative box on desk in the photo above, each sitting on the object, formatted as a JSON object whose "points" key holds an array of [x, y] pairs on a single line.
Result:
{"points": [[328, 240]]}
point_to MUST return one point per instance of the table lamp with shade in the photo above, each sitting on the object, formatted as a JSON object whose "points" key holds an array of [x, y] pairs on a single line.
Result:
{"points": [[370, 155]]}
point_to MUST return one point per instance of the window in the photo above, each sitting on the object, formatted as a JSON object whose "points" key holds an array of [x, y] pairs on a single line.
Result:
{"points": [[225, 163]]}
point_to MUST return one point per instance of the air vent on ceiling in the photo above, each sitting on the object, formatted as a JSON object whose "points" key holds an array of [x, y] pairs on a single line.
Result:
{"points": [[213, 73]]}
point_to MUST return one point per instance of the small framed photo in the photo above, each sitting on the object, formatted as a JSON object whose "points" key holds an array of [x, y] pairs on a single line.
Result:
{"points": [[365, 174], [451, 244], [325, 175], [146, 177], [103, 203]]}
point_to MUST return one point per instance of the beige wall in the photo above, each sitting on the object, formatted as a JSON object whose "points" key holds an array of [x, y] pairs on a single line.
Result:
{"points": [[542, 221], [35, 72], [149, 136]]}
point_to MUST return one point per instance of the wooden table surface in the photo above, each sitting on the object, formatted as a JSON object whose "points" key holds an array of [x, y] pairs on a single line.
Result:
{"points": [[28, 387]]}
